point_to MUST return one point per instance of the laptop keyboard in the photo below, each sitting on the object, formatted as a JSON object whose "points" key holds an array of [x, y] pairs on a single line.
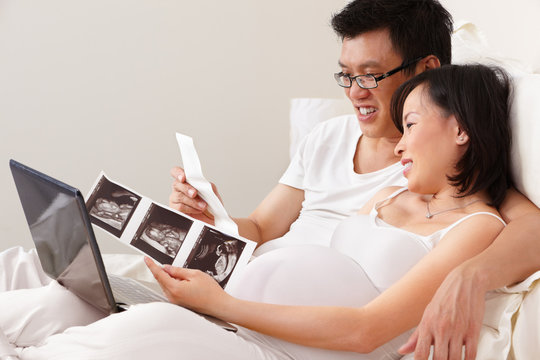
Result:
{"points": [[131, 292]]}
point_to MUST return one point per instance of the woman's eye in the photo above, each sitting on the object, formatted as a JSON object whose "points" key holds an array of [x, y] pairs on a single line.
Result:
{"points": [[408, 125]]}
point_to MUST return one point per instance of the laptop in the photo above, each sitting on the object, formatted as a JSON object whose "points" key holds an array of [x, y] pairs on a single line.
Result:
{"points": [[67, 248]]}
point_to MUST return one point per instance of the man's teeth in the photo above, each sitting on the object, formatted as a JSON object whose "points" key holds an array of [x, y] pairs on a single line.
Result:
{"points": [[365, 111], [408, 165]]}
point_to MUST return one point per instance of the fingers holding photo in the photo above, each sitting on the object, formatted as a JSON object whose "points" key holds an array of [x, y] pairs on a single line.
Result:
{"points": [[165, 281], [178, 173], [193, 289]]}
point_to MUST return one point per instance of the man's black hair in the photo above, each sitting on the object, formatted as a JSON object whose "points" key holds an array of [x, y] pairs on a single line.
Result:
{"points": [[416, 27]]}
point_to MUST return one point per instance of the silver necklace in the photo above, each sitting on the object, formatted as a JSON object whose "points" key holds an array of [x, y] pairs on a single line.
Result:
{"points": [[429, 214]]}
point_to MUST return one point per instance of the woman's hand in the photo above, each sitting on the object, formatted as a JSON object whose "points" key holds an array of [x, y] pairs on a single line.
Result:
{"points": [[189, 288]]}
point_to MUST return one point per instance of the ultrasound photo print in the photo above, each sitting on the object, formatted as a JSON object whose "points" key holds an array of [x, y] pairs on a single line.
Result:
{"points": [[111, 206], [161, 234], [216, 254]]}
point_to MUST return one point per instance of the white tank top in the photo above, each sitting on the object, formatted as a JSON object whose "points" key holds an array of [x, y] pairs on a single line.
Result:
{"points": [[386, 252]]}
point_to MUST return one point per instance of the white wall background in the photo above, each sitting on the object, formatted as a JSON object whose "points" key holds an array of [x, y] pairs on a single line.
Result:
{"points": [[105, 84]]}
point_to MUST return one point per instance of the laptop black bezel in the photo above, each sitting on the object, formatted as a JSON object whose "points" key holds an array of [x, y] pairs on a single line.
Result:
{"points": [[83, 212]]}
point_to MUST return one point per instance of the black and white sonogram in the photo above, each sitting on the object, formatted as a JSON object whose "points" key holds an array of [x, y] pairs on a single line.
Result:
{"points": [[161, 234], [111, 206], [216, 254]]}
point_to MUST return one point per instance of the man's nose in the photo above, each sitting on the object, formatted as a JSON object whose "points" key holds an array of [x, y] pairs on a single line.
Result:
{"points": [[356, 92]]}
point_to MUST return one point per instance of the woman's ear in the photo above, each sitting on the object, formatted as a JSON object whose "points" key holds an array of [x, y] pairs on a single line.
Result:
{"points": [[460, 135], [462, 138]]}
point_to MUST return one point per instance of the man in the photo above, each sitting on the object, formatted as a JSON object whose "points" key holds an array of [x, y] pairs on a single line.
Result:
{"points": [[384, 43], [321, 184]]}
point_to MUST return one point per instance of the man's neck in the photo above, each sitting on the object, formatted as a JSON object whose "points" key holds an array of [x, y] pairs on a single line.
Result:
{"points": [[374, 154]]}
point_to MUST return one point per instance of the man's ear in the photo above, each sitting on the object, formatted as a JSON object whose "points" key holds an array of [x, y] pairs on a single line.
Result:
{"points": [[427, 63]]}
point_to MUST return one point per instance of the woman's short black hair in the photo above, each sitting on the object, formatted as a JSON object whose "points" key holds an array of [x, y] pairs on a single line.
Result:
{"points": [[478, 96], [417, 28]]}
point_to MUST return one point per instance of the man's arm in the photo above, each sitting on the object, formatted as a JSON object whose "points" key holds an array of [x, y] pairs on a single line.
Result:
{"points": [[271, 219], [274, 215], [515, 253], [454, 316]]}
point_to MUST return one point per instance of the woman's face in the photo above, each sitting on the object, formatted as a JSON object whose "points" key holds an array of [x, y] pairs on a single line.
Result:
{"points": [[429, 147]]}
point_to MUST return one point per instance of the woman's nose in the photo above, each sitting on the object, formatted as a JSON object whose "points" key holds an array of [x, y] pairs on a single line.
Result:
{"points": [[400, 147]]}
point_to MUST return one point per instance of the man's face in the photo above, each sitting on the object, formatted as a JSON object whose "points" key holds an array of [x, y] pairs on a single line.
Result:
{"points": [[372, 53]]}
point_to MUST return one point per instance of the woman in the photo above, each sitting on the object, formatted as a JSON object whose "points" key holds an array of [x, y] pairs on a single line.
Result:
{"points": [[401, 246]]}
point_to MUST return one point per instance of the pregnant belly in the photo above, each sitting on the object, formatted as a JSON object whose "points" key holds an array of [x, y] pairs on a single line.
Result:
{"points": [[304, 275]]}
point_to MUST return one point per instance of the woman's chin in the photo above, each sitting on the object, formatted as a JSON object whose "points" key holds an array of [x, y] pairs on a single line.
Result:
{"points": [[417, 188]]}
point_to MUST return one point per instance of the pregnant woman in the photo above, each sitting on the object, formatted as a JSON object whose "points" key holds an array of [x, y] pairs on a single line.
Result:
{"points": [[365, 293]]}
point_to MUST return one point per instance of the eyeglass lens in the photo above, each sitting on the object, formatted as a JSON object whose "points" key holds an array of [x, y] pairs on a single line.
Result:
{"points": [[364, 81]]}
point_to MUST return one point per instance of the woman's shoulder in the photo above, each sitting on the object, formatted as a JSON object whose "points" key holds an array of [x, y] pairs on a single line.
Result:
{"points": [[478, 220], [482, 210], [476, 228]]}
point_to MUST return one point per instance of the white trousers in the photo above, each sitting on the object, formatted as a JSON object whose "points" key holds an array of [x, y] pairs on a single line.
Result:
{"points": [[48, 322], [149, 331]]}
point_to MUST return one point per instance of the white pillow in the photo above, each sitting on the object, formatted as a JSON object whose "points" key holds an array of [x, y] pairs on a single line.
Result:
{"points": [[469, 45], [526, 136], [306, 113]]}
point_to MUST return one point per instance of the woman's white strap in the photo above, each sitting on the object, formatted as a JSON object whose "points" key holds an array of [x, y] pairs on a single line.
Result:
{"points": [[445, 231]]}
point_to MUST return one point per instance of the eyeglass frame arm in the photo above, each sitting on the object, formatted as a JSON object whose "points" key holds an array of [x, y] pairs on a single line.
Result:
{"points": [[378, 78]]}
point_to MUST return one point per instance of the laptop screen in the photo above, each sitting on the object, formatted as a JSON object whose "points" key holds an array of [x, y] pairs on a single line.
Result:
{"points": [[55, 213]]}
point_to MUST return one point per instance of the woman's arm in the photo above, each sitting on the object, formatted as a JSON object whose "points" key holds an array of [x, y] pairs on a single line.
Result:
{"points": [[353, 329], [454, 316]]}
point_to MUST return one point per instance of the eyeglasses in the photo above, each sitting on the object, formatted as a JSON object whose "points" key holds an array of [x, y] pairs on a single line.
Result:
{"points": [[370, 81]]}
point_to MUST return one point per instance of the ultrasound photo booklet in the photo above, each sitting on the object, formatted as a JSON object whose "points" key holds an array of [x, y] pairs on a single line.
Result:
{"points": [[166, 235]]}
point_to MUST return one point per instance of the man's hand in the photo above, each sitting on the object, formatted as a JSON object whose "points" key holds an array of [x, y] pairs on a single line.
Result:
{"points": [[452, 319], [189, 288], [185, 198]]}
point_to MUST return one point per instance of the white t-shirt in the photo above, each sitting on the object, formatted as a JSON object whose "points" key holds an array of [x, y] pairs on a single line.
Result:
{"points": [[323, 167]]}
